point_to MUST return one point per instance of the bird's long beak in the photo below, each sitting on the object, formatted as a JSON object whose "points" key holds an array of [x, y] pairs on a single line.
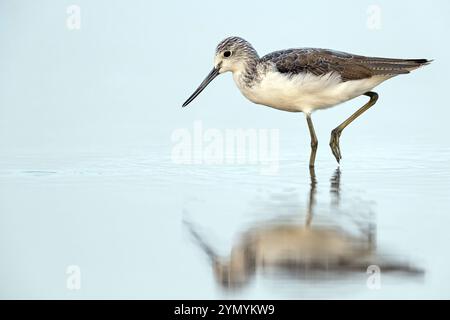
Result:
{"points": [[210, 77]]}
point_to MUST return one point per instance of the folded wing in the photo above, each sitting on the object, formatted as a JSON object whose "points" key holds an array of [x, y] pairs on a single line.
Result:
{"points": [[349, 66]]}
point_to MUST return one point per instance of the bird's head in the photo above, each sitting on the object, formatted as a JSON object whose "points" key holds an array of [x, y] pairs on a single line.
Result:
{"points": [[232, 54]]}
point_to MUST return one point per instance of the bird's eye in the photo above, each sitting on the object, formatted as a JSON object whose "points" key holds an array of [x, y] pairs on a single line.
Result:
{"points": [[227, 53]]}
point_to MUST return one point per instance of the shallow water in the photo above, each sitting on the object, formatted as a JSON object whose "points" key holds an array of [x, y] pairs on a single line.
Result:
{"points": [[128, 222], [139, 226]]}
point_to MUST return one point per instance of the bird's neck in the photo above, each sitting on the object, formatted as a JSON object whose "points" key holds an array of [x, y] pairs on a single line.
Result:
{"points": [[246, 75]]}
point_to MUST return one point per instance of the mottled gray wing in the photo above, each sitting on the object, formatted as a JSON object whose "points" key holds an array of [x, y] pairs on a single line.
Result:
{"points": [[348, 66]]}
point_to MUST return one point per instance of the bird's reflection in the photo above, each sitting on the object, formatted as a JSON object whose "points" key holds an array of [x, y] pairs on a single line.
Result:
{"points": [[302, 250]]}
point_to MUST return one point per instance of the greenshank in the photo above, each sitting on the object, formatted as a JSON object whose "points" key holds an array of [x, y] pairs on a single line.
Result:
{"points": [[305, 80]]}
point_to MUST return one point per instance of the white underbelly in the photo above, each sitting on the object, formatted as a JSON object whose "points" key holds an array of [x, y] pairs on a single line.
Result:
{"points": [[306, 92]]}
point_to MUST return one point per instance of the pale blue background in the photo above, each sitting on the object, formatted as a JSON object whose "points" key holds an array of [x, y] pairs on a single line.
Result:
{"points": [[86, 119], [121, 79]]}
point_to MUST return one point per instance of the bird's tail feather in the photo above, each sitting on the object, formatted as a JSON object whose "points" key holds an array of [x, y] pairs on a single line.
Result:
{"points": [[386, 66]]}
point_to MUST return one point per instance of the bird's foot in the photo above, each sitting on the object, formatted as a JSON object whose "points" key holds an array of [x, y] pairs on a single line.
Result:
{"points": [[334, 144]]}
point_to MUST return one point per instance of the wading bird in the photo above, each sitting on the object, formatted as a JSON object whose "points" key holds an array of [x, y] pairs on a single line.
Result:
{"points": [[305, 80]]}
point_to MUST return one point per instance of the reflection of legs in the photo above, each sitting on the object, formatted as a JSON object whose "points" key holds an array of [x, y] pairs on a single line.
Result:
{"points": [[335, 186], [336, 133], [312, 193], [314, 141]]}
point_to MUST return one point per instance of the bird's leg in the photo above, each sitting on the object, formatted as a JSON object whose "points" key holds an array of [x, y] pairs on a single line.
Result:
{"points": [[336, 133], [314, 141]]}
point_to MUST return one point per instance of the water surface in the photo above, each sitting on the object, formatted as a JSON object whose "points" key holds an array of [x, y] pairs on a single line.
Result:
{"points": [[140, 226]]}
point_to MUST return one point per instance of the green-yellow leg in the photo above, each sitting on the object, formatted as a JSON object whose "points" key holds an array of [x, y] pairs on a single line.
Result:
{"points": [[336, 133], [314, 141]]}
